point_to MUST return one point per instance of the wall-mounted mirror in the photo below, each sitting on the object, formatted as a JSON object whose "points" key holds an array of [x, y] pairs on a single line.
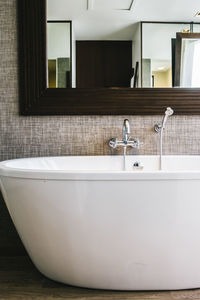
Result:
{"points": [[108, 41], [113, 56]]}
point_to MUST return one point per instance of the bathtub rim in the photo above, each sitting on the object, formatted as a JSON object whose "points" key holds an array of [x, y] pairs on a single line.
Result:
{"points": [[97, 175]]}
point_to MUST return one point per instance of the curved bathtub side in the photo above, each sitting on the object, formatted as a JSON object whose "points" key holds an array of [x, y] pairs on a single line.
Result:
{"points": [[123, 235]]}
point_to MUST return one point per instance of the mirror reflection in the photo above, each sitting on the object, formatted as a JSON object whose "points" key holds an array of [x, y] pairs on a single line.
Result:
{"points": [[101, 43], [59, 54], [190, 58], [160, 66]]}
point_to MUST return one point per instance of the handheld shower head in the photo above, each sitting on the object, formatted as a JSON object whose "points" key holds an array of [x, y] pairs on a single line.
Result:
{"points": [[169, 111], [160, 127]]}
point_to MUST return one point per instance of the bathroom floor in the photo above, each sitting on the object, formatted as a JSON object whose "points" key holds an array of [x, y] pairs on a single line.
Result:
{"points": [[20, 280]]}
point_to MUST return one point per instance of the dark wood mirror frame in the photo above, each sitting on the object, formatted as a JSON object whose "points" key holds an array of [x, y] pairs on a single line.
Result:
{"points": [[37, 99]]}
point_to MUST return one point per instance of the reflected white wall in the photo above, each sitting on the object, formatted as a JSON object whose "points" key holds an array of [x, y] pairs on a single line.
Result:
{"points": [[73, 57], [58, 40], [137, 51]]}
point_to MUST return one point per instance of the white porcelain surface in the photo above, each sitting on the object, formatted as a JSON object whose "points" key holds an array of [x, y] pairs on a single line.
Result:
{"points": [[86, 222]]}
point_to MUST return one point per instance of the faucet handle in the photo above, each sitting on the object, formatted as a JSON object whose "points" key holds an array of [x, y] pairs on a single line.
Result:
{"points": [[113, 143], [134, 143], [137, 143]]}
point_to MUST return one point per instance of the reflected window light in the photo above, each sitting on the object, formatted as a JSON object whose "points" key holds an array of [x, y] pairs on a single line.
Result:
{"points": [[196, 65]]}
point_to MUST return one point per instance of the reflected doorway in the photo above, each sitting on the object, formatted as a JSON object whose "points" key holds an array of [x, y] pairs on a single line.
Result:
{"points": [[105, 64]]}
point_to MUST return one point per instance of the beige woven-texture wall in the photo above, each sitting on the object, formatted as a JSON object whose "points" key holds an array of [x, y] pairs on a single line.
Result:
{"points": [[67, 135]]}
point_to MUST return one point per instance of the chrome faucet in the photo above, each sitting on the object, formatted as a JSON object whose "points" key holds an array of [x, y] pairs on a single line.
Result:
{"points": [[126, 139]]}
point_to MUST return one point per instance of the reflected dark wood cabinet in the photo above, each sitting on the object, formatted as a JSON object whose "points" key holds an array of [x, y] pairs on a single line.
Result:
{"points": [[100, 64], [36, 99]]}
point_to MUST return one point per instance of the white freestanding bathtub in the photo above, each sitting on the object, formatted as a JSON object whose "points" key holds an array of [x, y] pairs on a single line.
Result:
{"points": [[85, 222]]}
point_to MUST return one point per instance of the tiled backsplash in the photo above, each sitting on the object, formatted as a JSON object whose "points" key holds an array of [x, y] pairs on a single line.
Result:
{"points": [[77, 135]]}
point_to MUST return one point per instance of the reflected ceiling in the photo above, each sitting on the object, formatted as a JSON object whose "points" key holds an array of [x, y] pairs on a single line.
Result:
{"points": [[106, 19]]}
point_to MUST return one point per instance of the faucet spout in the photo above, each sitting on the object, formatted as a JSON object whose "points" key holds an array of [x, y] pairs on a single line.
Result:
{"points": [[126, 131]]}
